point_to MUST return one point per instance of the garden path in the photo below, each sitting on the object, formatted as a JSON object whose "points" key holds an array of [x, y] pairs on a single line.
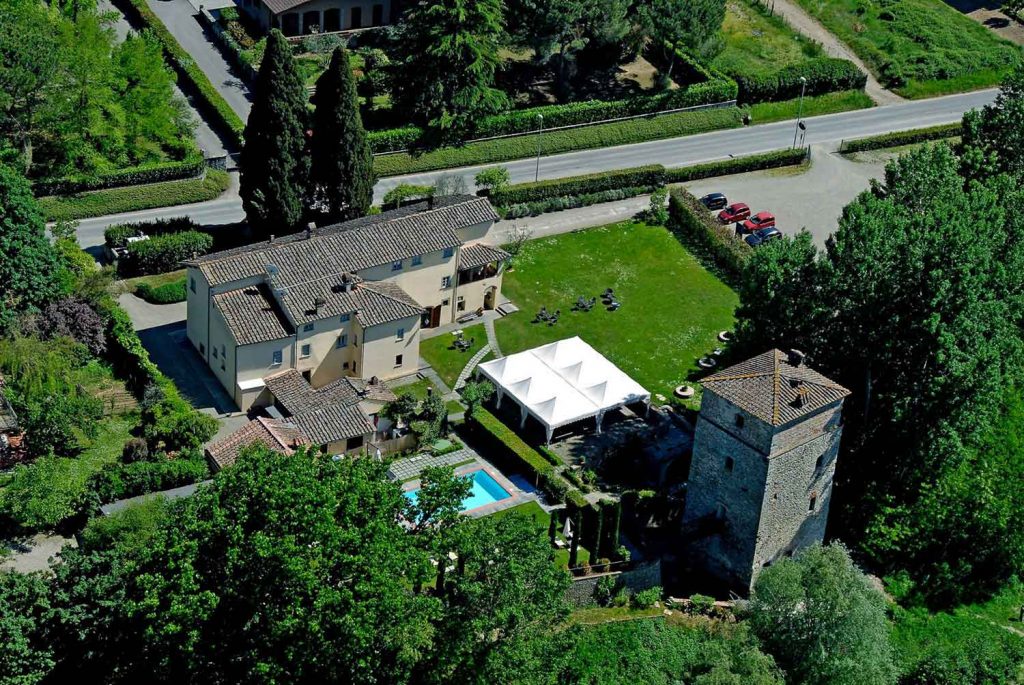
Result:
{"points": [[810, 27]]}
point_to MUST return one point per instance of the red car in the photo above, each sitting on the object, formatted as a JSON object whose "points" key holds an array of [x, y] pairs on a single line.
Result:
{"points": [[757, 222], [734, 212]]}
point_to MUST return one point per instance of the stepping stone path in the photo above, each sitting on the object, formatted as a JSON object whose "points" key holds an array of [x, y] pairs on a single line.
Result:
{"points": [[468, 369]]}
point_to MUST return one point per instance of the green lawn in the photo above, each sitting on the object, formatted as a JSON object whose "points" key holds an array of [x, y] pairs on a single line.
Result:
{"points": [[448, 361], [543, 519], [843, 101], [756, 43], [672, 308], [135, 198], [919, 47]]}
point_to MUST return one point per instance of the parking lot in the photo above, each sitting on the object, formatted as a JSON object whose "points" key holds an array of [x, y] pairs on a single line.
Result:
{"points": [[811, 198]]}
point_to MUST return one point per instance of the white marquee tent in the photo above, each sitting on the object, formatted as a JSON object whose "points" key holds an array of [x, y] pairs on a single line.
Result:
{"points": [[561, 383]]}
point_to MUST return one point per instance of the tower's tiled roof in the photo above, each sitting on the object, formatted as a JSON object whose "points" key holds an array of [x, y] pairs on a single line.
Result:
{"points": [[776, 387]]}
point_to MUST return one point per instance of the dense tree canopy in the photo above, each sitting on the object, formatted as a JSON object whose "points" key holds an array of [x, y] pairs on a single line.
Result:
{"points": [[75, 102], [822, 620], [449, 57], [274, 163], [342, 163], [917, 308]]}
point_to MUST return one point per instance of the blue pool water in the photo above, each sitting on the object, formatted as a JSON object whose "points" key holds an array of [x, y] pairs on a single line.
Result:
{"points": [[485, 491]]}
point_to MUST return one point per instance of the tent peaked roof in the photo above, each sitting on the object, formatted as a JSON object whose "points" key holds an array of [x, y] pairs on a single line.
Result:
{"points": [[563, 382]]}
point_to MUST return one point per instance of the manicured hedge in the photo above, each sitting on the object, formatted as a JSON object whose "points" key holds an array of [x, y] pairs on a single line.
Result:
{"points": [[703, 235], [823, 74], [571, 114], [530, 459], [737, 165], [557, 204], [917, 135], [163, 253], [209, 99], [651, 175], [151, 173], [135, 198], [168, 293], [121, 481], [116, 235]]}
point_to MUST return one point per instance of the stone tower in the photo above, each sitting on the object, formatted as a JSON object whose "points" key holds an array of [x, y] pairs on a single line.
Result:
{"points": [[764, 456]]}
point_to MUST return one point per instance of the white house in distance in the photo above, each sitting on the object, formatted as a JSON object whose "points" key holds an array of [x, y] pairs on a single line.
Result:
{"points": [[346, 300]]}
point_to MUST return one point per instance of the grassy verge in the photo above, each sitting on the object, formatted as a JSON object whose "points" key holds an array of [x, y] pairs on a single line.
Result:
{"points": [[920, 47], [134, 198], [596, 615], [901, 138], [757, 43], [672, 308], [447, 361], [159, 288], [555, 142], [845, 101], [542, 519]]}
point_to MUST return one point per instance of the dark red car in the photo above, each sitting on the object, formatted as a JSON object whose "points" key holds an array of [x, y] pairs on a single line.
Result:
{"points": [[737, 211], [757, 222]]}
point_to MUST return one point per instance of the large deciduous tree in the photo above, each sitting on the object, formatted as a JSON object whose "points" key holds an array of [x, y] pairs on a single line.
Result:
{"points": [[449, 57], [24, 609], [342, 163], [823, 620], [996, 131], [274, 165], [30, 270]]}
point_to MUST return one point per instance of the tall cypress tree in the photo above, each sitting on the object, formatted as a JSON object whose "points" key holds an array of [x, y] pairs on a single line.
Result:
{"points": [[273, 164], [342, 162]]}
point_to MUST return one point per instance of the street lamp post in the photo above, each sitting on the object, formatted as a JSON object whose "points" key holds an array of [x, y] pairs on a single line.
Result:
{"points": [[540, 132], [799, 108]]}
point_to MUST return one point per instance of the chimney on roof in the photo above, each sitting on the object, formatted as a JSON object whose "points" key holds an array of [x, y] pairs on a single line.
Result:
{"points": [[796, 358], [430, 201], [309, 230], [195, 255], [801, 397], [271, 237]]}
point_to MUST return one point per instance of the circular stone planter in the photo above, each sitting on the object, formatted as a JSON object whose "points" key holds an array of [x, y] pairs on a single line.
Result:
{"points": [[725, 336], [684, 392], [707, 362]]}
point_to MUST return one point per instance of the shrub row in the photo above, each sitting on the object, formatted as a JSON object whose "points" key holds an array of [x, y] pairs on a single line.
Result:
{"points": [[917, 135], [570, 114], [651, 175], [823, 74], [135, 198], [704, 236], [557, 204], [150, 173], [737, 165], [121, 481], [169, 421], [530, 459], [163, 253], [209, 99], [168, 293], [117, 235]]}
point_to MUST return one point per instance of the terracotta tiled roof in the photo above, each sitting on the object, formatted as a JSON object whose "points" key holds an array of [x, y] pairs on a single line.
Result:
{"points": [[280, 436], [251, 315], [350, 246], [296, 395], [478, 254], [374, 389], [333, 422], [279, 6], [382, 302], [774, 388]]}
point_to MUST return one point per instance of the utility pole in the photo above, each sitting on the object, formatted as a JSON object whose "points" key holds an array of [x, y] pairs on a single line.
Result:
{"points": [[540, 133], [799, 108]]}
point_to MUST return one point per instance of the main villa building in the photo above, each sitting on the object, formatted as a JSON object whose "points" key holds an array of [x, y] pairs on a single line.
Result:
{"points": [[341, 301]]}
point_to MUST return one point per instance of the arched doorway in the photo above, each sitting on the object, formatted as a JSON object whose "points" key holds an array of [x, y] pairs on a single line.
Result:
{"points": [[490, 296]]}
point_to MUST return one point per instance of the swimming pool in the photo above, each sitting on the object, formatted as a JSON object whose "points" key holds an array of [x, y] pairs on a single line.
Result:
{"points": [[485, 490]]}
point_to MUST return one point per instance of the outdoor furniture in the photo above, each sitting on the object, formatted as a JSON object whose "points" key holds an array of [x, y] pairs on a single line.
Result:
{"points": [[553, 319]]}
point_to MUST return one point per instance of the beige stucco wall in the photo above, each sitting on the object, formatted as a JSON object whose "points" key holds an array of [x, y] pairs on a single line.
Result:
{"points": [[475, 232], [197, 304], [255, 362], [423, 282], [379, 345], [474, 292], [326, 360]]}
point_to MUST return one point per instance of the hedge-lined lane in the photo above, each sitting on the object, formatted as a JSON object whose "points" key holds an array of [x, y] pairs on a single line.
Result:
{"points": [[135, 198]]}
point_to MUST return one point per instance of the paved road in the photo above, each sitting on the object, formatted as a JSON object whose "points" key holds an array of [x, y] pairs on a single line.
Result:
{"points": [[181, 20], [826, 130]]}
